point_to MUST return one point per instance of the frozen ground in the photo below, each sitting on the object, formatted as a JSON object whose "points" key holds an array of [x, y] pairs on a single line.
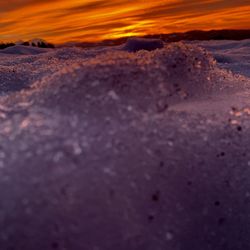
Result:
{"points": [[104, 149]]}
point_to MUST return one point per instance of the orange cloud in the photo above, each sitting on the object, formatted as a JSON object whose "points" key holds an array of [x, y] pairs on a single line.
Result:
{"points": [[63, 20]]}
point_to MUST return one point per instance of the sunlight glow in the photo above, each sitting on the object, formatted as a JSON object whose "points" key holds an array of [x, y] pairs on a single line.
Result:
{"points": [[92, 20]]}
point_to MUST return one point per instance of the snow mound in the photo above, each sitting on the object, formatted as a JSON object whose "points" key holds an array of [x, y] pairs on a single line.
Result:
{"points": [[23, 50], [136, 44], [146, 80], [232, 55], [93, 140], [19, 71]]}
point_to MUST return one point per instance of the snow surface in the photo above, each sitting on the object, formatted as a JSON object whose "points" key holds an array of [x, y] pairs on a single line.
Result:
{"points": [[232, 55], [23, 50], [105, 149], [136, 44]]}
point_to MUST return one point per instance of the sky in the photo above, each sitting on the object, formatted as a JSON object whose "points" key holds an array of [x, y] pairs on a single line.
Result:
{"points": [[61, 21]]}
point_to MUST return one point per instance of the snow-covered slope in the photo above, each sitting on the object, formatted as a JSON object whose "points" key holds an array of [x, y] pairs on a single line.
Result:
{"points": [[232, 55], [177, 71], [23, 50], [105, 149]]}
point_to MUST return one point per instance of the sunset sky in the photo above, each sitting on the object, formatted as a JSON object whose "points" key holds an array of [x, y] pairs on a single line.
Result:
{"points": [[91, 20]]}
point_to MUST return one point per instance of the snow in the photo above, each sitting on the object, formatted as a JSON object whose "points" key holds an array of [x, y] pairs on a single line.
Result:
{"points": [[233, 55], [107, 149], [136, 44], [176, 72], [23, 50]]}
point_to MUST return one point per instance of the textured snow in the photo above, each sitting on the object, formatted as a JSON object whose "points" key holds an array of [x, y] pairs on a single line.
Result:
{"points": [[136, 44], [175, 72], [105, 149], [233, 55], [23, 50]]}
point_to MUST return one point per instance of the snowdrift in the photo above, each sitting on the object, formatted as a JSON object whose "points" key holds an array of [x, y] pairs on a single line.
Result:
{"points": [[232, 55], [136, 44], [150, 80], [23, 50]]}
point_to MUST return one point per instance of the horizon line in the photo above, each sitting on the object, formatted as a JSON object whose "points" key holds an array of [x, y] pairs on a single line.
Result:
{"points": [[126, 37]]}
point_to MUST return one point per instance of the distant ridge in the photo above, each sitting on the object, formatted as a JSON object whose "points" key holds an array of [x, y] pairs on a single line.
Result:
{"points": [[23, 50], [227, 34], [175, 37], [204, 35]]}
